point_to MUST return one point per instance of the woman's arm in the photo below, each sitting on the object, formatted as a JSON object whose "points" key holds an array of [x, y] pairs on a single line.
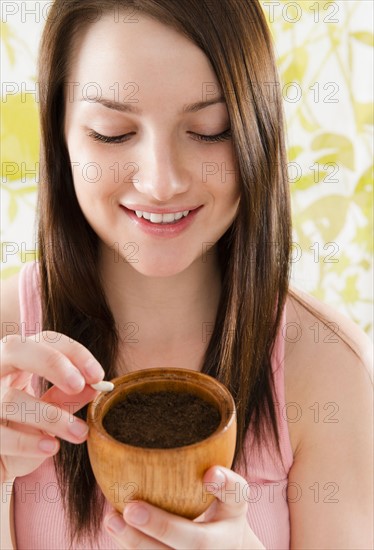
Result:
{"points": [[331, 480]]}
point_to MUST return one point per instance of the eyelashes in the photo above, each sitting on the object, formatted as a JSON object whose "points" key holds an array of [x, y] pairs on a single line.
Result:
{"points": [[109, 139], [223, 136]]}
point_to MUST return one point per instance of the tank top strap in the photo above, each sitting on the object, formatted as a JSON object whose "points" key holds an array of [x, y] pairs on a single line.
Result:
{"points": [[29, 299], [278, 366], [30, 307]]}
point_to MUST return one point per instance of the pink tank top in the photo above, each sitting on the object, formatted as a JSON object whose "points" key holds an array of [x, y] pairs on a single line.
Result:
{"points": [[38, 514]]}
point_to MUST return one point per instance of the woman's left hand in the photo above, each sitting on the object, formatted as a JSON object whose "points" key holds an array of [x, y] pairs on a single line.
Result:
{"points": [[224, 524]]}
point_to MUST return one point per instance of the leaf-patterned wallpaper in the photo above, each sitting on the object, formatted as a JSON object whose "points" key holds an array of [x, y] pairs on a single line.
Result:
{"points": [[325, 58]]}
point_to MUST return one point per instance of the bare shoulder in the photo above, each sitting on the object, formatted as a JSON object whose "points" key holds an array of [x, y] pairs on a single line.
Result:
{"points": [[10, 314], [317, 322], [327, 356], [329, 397]]}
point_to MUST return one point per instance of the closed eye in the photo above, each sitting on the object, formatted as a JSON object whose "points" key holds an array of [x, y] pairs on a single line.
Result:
{"points": [[109, 139], [223, 136]]}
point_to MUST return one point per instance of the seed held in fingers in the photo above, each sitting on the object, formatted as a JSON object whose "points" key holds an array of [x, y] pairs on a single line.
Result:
{"points": [[103, 386]]}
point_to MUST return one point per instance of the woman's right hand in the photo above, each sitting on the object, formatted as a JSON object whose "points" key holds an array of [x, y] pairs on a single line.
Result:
{"points": [[30, 427]]}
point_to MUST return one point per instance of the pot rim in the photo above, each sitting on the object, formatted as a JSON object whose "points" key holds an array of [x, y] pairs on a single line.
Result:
{"points": [[94, 419]]}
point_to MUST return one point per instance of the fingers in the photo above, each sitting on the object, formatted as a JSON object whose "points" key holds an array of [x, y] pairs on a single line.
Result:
{"points": [[127, 537], [15, 443], [21, 408], [25, 445], [62, 361], [30, 426], [170, 530], [70, 403], [149, 527], [230, 490], [228, 513]]}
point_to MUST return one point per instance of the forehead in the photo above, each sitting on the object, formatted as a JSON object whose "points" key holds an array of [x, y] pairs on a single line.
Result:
{"points": [[145, 55]]}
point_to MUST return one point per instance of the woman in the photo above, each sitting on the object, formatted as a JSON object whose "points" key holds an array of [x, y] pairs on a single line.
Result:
{"points": [[164, 232]]}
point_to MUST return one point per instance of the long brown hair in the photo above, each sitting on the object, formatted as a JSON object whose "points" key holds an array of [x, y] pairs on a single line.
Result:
{"points": [[254, 253]]}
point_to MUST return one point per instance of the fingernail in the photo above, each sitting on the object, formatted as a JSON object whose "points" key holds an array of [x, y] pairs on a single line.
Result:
{"points": [[136, 514], [47, 445], [116, 524], [78, 429], [75, 380], [93, 369], [220, 476]]}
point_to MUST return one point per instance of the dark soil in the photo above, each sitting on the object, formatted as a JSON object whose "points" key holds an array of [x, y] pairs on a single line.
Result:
{"points": [[161, 420]]}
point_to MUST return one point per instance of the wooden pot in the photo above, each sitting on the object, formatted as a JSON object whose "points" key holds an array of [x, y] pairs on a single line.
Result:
{"points": [[169, 478]]}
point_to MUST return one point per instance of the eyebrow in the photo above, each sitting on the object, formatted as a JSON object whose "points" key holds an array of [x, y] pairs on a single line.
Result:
{"points": [[129, 108]]}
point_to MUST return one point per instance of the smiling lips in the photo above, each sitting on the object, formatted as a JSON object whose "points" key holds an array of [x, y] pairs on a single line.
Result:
{"points": [[162, 223], [160, 216], [169, 217]]}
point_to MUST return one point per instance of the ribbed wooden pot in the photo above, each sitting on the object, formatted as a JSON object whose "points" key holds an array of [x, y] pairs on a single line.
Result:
{"points": [[168, 478]]}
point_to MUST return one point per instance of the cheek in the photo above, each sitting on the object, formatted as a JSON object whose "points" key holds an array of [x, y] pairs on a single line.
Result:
{"points": [[88, 188], [96, 176], [221, 179]]}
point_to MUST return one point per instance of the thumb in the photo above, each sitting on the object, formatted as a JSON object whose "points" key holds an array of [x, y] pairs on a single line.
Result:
{"points": [[230, 490]]}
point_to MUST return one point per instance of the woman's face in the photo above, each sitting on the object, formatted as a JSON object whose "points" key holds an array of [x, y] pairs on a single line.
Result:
{"points": [[136, 120]]}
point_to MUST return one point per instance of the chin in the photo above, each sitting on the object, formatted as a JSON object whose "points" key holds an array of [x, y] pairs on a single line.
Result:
{"points": [[157, 269]]}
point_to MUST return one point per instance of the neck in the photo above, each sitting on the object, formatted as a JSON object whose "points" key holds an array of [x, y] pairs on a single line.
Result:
{"points": [[162, 321]]}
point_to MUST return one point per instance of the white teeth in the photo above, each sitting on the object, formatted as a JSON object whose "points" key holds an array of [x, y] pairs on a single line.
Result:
{"points": [[155, 218], [162, 218], [167, 218]]}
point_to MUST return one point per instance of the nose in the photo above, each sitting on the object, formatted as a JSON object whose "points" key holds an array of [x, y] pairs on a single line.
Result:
{"points": [[162, 173]]}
